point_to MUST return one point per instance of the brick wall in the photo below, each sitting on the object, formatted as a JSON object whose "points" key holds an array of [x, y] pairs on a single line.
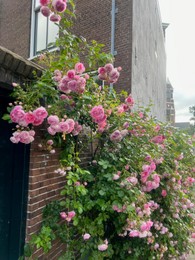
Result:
{"points": [[15, 26], [44, 187], [94, 22]]}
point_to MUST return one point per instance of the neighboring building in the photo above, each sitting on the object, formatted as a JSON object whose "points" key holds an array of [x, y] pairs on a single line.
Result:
{"points": [[132, 31], [170, 104], [182, 125]]}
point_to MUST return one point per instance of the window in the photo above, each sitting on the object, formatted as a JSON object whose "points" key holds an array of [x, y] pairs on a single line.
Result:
{"points": [[43, 31]]}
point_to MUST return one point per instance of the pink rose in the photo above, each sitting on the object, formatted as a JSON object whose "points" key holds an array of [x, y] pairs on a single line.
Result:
{"points": [[156, 128], [32, 132], [25, 137], [53, 120], [114, 75], [29, 118], [164, 193], [50, 142], [51, 131], [40, 113], [116, 136], [146, 226], [101, 70], [156, 178], [55, 18], [64, 127], [38, 121], [45, 11], [44, 2], [108, 67], [71, 215], [64, 87], [63, 215], [71, 74], [126, 125], [102, 247], [132, 180], [71, 125], [15, 137], [130, 101], [97, 113], [144, 176], [79, 67], [59, 5], [17, 114], [77, 129], [116, 177], [159, 139], [86, 236], [134, 233]]}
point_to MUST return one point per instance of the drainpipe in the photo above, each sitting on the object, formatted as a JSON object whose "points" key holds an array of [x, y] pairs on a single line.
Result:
{"points": [[113, 14]]}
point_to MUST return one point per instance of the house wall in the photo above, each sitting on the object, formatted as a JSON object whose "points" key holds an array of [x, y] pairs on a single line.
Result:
{"points": [[15, 25], [44, 187], [148, 57], [94, 23]]}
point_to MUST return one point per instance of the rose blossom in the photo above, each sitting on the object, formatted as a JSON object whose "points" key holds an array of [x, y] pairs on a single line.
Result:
{"points": [[71, 74], [159, 139], [55, 18], [116, 136], [134, 233], [17, 114], [86, 236], [104, 246], [44, 2], [53, 120], [64, 127], [29, 118], [45, 11], [116, 177], [146, 226], [164, 193], [40, 113], [50, 142], [129, 101], [59, 5], [71, 124], [79, 68], [97, 113]]}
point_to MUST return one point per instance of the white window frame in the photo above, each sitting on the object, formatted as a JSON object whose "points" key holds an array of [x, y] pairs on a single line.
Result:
{"points": [[33, 32]]}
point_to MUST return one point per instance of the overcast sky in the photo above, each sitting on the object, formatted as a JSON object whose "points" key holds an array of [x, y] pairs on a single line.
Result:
{"points": [[180, 48]]}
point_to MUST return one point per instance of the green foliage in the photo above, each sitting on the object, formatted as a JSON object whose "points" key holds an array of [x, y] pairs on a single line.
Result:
{"points": [[109, 197]]}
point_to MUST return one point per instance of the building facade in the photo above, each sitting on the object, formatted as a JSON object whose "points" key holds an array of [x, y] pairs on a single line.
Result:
{"points": [[131, 30], [170, 104]]}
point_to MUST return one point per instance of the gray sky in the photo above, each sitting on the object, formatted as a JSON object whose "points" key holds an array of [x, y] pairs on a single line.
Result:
{"points": [[180, 48]]}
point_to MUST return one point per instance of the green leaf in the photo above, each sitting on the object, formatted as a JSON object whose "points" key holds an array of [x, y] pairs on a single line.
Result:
{"points": [[101, 192], [6, 117], [62, 203]]}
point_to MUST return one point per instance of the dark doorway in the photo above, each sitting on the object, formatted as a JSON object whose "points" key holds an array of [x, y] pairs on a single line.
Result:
{"points": [[14, 161]]}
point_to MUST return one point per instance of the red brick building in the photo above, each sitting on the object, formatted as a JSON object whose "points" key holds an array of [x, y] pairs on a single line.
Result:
{"points": [[131, 30]]}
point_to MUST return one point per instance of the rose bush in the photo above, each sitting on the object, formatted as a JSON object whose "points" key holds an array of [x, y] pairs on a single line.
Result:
{"points": [[135, 199]]}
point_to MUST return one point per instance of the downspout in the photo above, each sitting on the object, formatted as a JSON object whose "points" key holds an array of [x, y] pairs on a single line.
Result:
{"points": [[113, 14]]}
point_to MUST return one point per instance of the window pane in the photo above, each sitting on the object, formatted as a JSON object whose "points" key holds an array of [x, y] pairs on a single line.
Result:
{"points": [[37, 3], [52, 32], [41, 32]]}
